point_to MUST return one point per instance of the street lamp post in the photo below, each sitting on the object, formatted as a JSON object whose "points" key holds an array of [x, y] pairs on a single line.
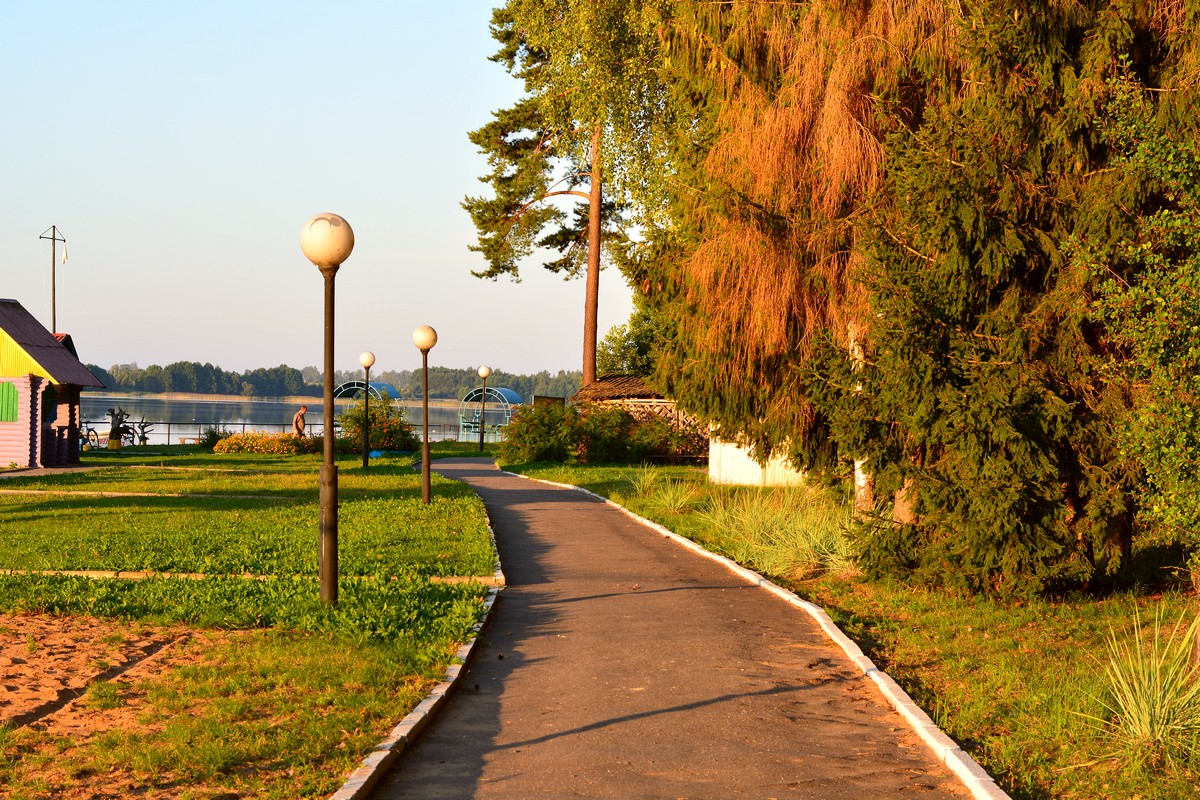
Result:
{"points": [[366, 359], [425, 338], [326, 241], [484, 372]]}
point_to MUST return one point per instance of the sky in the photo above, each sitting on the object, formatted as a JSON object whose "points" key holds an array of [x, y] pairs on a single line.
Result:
{"points": [[180, 148]]}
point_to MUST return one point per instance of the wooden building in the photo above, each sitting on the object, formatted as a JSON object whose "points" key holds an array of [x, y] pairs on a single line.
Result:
{"points": [[642, 402], [40, 380], [728, 462], [632, 394]]}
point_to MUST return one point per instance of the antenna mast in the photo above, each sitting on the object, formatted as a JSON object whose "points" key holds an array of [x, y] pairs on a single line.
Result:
{"points": [[55, 237]]}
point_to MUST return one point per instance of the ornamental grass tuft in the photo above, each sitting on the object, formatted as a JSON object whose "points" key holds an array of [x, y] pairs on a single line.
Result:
{"points": [[1152, 702], [794, 533]]}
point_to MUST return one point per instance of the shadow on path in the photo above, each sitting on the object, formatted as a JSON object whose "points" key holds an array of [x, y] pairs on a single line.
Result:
{"points": [[619, 665]]}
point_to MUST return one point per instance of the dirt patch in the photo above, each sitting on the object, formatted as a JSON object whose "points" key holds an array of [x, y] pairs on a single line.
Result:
{"points": [[69, 679], [47, 662]]}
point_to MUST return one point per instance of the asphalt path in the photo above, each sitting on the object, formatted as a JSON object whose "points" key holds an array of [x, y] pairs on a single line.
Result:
{"points": [[618, 664]]}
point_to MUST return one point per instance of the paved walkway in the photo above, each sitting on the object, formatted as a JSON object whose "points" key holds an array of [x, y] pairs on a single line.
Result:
{"points": [[617, 664]]}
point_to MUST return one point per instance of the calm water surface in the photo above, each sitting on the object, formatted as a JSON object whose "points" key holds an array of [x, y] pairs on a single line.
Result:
{"points": [[187, 418]]}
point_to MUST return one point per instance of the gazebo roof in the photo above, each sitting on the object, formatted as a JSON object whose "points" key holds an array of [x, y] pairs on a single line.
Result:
{"points": [[497, 394], [616, 387], [26, 347]]}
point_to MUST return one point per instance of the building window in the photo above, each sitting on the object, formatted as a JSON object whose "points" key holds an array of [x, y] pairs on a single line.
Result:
{"points": [[8, 402]]}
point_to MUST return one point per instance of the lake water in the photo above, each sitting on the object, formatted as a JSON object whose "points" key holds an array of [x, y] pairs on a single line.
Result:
{"points": [[174, 419]]}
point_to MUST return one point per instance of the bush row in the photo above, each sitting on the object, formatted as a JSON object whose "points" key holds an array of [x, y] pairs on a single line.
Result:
{"points": [[389, 430]]}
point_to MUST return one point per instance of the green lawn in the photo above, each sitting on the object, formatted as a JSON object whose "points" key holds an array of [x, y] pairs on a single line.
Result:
{"points": [[289, 699]]}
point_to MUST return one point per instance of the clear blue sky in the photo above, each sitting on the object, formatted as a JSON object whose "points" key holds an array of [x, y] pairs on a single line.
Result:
{"points": [[180, 148]]}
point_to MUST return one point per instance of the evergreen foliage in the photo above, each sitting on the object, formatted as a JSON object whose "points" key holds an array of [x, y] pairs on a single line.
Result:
{"points": [[866, 258]]}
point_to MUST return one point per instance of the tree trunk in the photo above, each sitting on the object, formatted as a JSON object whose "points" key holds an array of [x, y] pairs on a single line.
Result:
{"points": [[1196, 588], [864, 488], [592, 291], [864, 482], [902, 503]]}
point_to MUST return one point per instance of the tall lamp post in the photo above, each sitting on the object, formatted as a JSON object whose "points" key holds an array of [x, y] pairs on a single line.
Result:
{"points": [[484, 372], [327, 240], [425, 338], [366, 359]]}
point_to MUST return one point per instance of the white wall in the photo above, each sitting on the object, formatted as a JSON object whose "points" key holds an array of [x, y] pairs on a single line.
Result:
{"points": [[731, 464], [18, 445]]}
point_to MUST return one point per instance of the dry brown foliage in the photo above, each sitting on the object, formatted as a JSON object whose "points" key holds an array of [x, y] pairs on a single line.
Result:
{"points": [[797, 157]]}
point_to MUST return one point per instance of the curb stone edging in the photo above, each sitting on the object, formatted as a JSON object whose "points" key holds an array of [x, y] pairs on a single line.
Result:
{"points": [[363, 780], [981, 785]]}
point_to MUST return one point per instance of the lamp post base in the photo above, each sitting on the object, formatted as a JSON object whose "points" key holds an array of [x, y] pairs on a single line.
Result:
{"points": [[426, 488]]}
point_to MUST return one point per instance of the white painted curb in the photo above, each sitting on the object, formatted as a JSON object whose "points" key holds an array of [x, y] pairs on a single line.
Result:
{"points": [[981, 785]]}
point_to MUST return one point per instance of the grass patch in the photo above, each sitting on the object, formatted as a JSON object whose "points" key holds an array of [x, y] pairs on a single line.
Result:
{"points": [[287, 702], [1152, 698], [232, 515], [266, 714], [1011, 682]]}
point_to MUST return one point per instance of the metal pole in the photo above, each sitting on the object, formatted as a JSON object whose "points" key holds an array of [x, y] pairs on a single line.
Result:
{"points": [[54, 240], [426, 489], [328, 565], [53, 301], [366, 426], [482, 413]]}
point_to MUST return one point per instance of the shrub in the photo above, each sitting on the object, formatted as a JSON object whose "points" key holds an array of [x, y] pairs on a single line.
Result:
{"points": [[211, 435], [652, 437], [547, 432], [285, 444], [605, 434], [657, 437], [389, 429], [594, 434]]}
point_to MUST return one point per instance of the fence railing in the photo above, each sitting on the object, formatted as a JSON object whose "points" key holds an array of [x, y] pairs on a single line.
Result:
{"points": [[191, 432]]}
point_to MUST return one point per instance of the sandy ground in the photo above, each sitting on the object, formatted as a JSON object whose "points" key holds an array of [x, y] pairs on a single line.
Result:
{"points": [[47, 664]]}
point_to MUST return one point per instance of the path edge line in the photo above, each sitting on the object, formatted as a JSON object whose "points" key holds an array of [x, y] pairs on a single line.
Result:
{"points": [[363, 780], [974, 777]]}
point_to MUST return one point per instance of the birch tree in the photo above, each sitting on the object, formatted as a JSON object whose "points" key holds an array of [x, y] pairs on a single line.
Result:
{"points": [[584, 131]]}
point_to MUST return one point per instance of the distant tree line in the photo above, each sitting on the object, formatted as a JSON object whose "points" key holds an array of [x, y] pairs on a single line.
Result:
{"points": [[284, 381], [193, 377]]}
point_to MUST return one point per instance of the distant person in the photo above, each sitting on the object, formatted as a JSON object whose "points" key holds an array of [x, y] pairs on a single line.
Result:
{"points": [[298, 421]]}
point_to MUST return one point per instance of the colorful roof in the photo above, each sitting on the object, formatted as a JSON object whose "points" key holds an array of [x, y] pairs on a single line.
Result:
{"points": [[26, 348]]}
